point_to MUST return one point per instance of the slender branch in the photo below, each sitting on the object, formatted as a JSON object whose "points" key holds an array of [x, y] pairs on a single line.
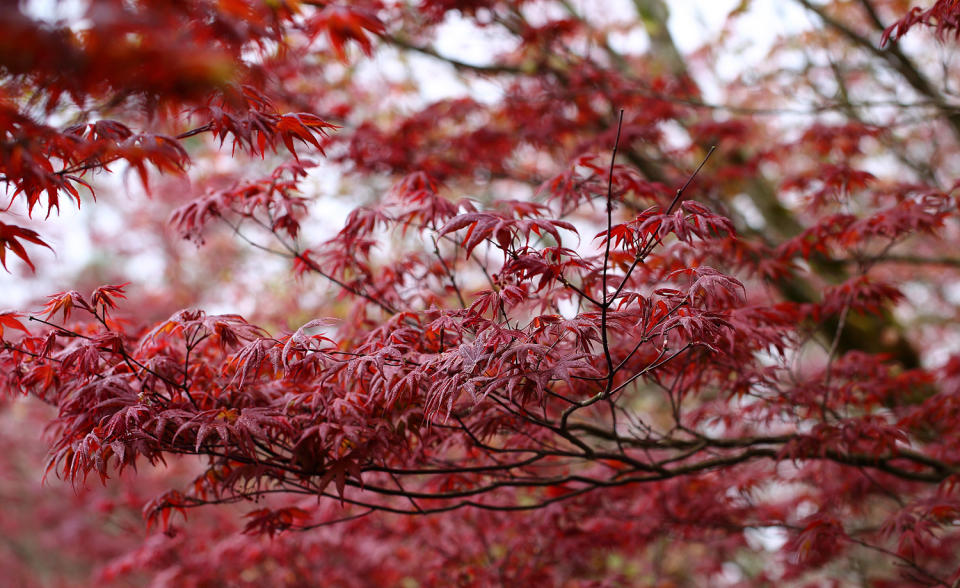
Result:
{"points": [[905, 259], [832, 354], [332, 521], [450, 276], [904, 560], [642, 254], [690, 178], [605, 306], [403, 43], [895, 57], [294, 253]]}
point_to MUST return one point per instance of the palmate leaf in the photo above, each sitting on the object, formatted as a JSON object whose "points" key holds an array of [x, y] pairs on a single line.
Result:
{"points": [[10, 320], [253, 122], [502, 229], [304, 341], [343, 24], [10, 239], [711, 288], [105, 297], [64, 303], [249, 359], [943, 16], [271, 521]]}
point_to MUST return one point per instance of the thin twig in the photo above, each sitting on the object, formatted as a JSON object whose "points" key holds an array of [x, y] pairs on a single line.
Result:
{"points": [[641, 255], [605, 306]]}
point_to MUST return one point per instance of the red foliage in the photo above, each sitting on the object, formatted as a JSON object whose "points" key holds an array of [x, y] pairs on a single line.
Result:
{"points": [[943, 17], [748, 376]]}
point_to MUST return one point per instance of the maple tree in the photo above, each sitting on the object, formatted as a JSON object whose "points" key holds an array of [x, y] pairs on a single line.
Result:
{"points": [[602, 328]]}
